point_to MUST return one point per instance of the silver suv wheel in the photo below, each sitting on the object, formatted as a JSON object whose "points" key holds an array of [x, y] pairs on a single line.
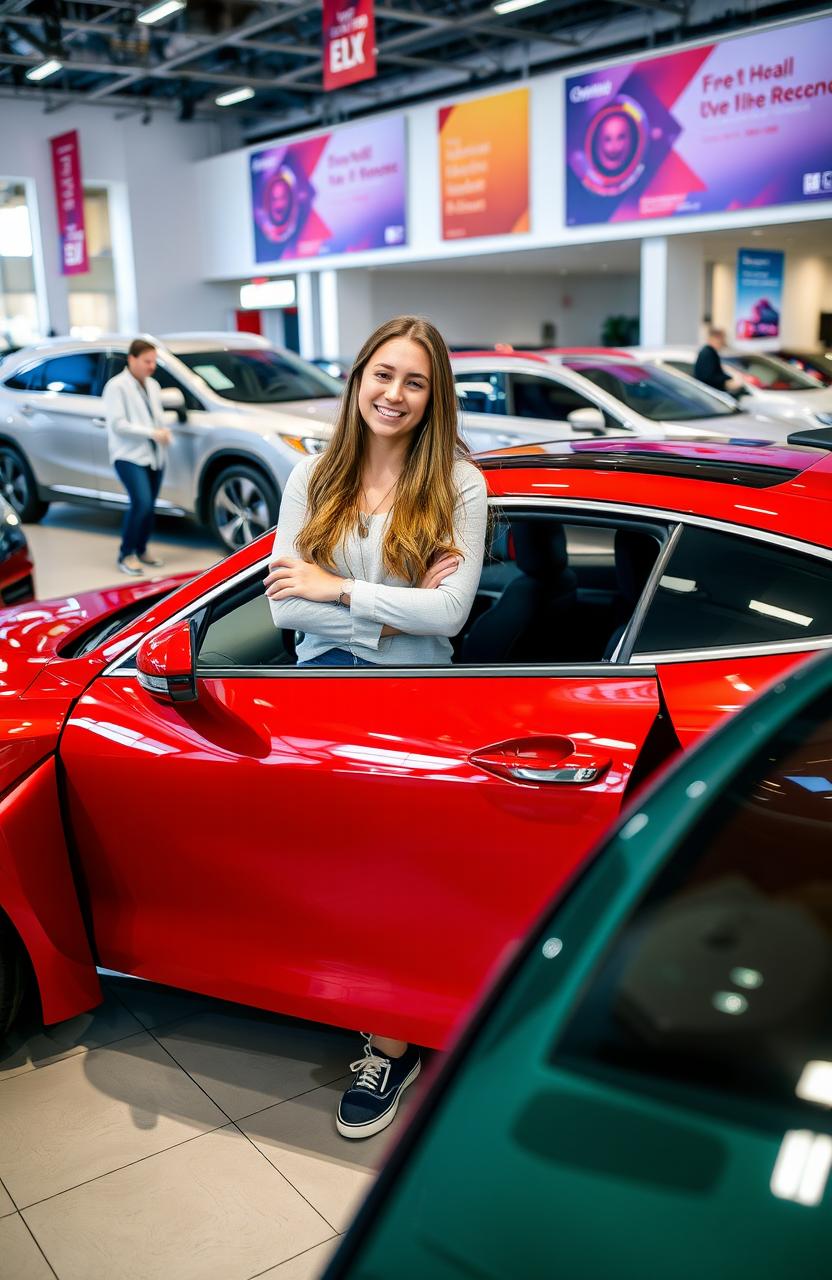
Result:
{"points": [[17, 485], [243, 505]]}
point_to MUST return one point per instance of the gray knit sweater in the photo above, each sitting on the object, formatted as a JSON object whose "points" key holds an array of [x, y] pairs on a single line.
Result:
{"points": [[426, 619]]}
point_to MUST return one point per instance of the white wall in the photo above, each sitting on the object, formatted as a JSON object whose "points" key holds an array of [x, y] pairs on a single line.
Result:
{"points": [[471, 307], [151, 175]]}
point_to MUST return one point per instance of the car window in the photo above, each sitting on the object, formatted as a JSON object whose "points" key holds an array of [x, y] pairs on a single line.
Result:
{"points": [[117, 361], [720, 590], [772, 375], [536, 397], [551, 591], [260, 376], [30, 379], [166, 380], [75, 374], [656, 394], [681, 366], [718, 981], [481, 392], [239, 632]]}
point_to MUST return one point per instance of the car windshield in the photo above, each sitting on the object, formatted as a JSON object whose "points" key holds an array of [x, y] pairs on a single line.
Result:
{"points": [[656, 394], [260, 376], [771, 374]]}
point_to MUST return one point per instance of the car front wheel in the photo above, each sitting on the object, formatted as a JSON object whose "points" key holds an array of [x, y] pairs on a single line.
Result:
{"points": [[18, 487], [242, 504]]}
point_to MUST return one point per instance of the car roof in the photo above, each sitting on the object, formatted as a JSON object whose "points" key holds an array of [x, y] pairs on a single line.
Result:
{"points": [[176, 344], [758, 484]]}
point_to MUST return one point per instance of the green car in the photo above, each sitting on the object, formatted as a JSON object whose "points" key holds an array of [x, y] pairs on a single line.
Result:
{"points": [[647, 1093]]}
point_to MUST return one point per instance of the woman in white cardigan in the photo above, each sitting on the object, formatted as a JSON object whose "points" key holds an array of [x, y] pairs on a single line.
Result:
{"points": [[137, 438]]}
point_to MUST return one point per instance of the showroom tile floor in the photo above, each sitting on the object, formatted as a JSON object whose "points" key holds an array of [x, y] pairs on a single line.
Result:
{"points": [[75, 548], [168, 1135], [164, 1135]]}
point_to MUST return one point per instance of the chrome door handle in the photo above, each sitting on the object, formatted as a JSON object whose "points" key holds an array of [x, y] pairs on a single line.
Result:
{"points": [[27, 410], [99, 422], [556, 774]]}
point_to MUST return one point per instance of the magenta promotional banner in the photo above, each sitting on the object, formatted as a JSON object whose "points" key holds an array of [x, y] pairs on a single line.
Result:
{"points": [[741, 124], [339, 192], [69, 196]]}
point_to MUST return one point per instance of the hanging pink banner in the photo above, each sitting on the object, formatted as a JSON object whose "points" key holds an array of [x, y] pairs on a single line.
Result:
{"points": [[349, 42], [69, 195]]}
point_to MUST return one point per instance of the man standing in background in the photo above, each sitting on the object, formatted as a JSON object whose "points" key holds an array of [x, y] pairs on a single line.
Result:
{"points": [[137, 438], [708, 367]]}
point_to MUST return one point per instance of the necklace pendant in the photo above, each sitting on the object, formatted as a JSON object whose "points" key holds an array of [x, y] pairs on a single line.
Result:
{"points": [[363, 529]]}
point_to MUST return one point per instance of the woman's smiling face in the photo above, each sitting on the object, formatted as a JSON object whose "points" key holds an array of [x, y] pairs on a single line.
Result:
{"points": [[394, 390]]}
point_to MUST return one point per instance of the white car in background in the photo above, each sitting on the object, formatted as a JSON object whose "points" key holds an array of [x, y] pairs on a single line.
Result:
{"points": [[577, 396], [770, 386]]}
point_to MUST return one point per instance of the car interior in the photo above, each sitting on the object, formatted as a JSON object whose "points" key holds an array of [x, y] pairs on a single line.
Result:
{"points": [[550, 592]]}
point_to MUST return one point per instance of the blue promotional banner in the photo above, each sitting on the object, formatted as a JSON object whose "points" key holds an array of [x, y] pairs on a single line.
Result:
{"points": [[759, 293]]}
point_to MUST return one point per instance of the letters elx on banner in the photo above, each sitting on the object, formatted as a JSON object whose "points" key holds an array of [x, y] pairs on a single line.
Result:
{"points": [[349, 42], [69, 196]]}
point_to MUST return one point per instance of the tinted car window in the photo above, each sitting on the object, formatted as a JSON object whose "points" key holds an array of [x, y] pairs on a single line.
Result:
{"points": [[481, 392], [719, 979], [773, 375], [719, 590], [239, 632], [75, 374], [27, 379], [544, 398], [657, 394], [260, 376]]}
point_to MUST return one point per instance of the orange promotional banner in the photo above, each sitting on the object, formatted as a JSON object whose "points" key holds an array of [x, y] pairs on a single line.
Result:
{"points": [[484, 166]]}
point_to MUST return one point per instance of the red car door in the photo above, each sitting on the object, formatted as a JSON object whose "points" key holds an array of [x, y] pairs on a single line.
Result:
{"points": [[354, 847]]}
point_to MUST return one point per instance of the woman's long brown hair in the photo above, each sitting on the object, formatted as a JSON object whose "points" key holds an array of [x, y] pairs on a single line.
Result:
{"points": [[421, 520]]}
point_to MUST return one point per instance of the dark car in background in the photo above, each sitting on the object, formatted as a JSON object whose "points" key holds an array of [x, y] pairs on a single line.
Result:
{"points": [[648, 1091], [17, 581]]}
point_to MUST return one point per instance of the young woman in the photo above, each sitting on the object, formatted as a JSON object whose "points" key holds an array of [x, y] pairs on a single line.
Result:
{"points": [[377, 557]]}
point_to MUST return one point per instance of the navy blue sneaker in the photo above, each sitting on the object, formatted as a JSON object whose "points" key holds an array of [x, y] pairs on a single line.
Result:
{"points": [[372, 1100]]}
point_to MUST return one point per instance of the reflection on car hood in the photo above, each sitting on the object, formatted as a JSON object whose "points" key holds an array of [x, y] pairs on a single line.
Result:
{"points": [[295, 417], [31, 634]]}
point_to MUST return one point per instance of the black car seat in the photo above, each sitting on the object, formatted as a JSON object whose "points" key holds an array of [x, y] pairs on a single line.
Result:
{"points": [[524, 622], [635, 554]]}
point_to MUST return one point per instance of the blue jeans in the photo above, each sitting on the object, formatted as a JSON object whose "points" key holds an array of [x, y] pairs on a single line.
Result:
{"points": [[336, 658], [142, 484]]}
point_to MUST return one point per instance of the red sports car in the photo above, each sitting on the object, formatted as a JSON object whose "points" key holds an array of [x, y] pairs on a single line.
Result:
{"points": [[360, 846]]}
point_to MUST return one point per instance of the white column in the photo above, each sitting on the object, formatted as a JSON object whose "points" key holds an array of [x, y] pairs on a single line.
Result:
{"points": [[672, 290], [306, 313], [328, 313]]}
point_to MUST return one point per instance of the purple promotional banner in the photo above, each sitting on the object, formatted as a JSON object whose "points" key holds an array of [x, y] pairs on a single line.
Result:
{"points": [[339, 192], [741, 124], [759, 301]]}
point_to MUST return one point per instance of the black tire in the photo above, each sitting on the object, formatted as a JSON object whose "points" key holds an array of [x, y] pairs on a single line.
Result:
{"points": [[242, 503], [12, 976], [18, 486]]}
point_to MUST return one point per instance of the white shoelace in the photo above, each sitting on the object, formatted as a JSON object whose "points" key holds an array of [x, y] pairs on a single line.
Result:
{"points": [[370, 1069]]}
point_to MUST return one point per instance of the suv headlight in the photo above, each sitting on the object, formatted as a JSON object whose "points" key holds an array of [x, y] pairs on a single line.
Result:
{"points": [[303, 444], [825, 418]]}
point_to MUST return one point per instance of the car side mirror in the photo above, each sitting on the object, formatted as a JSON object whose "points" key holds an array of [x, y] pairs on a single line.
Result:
{"points": [[173, 399], [590, 420], [165, 663]]}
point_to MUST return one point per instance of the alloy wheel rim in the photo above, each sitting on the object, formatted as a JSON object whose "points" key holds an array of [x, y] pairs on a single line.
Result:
{"points": [[13, 484], [241, 511]]}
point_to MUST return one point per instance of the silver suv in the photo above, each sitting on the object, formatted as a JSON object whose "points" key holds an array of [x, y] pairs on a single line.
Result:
{"points": [[242, 413]]}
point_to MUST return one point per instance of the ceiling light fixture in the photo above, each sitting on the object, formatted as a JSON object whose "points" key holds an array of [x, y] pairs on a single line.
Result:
{"points": [[510, 6], [158, 12], [44, 69], [233, 96]]}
